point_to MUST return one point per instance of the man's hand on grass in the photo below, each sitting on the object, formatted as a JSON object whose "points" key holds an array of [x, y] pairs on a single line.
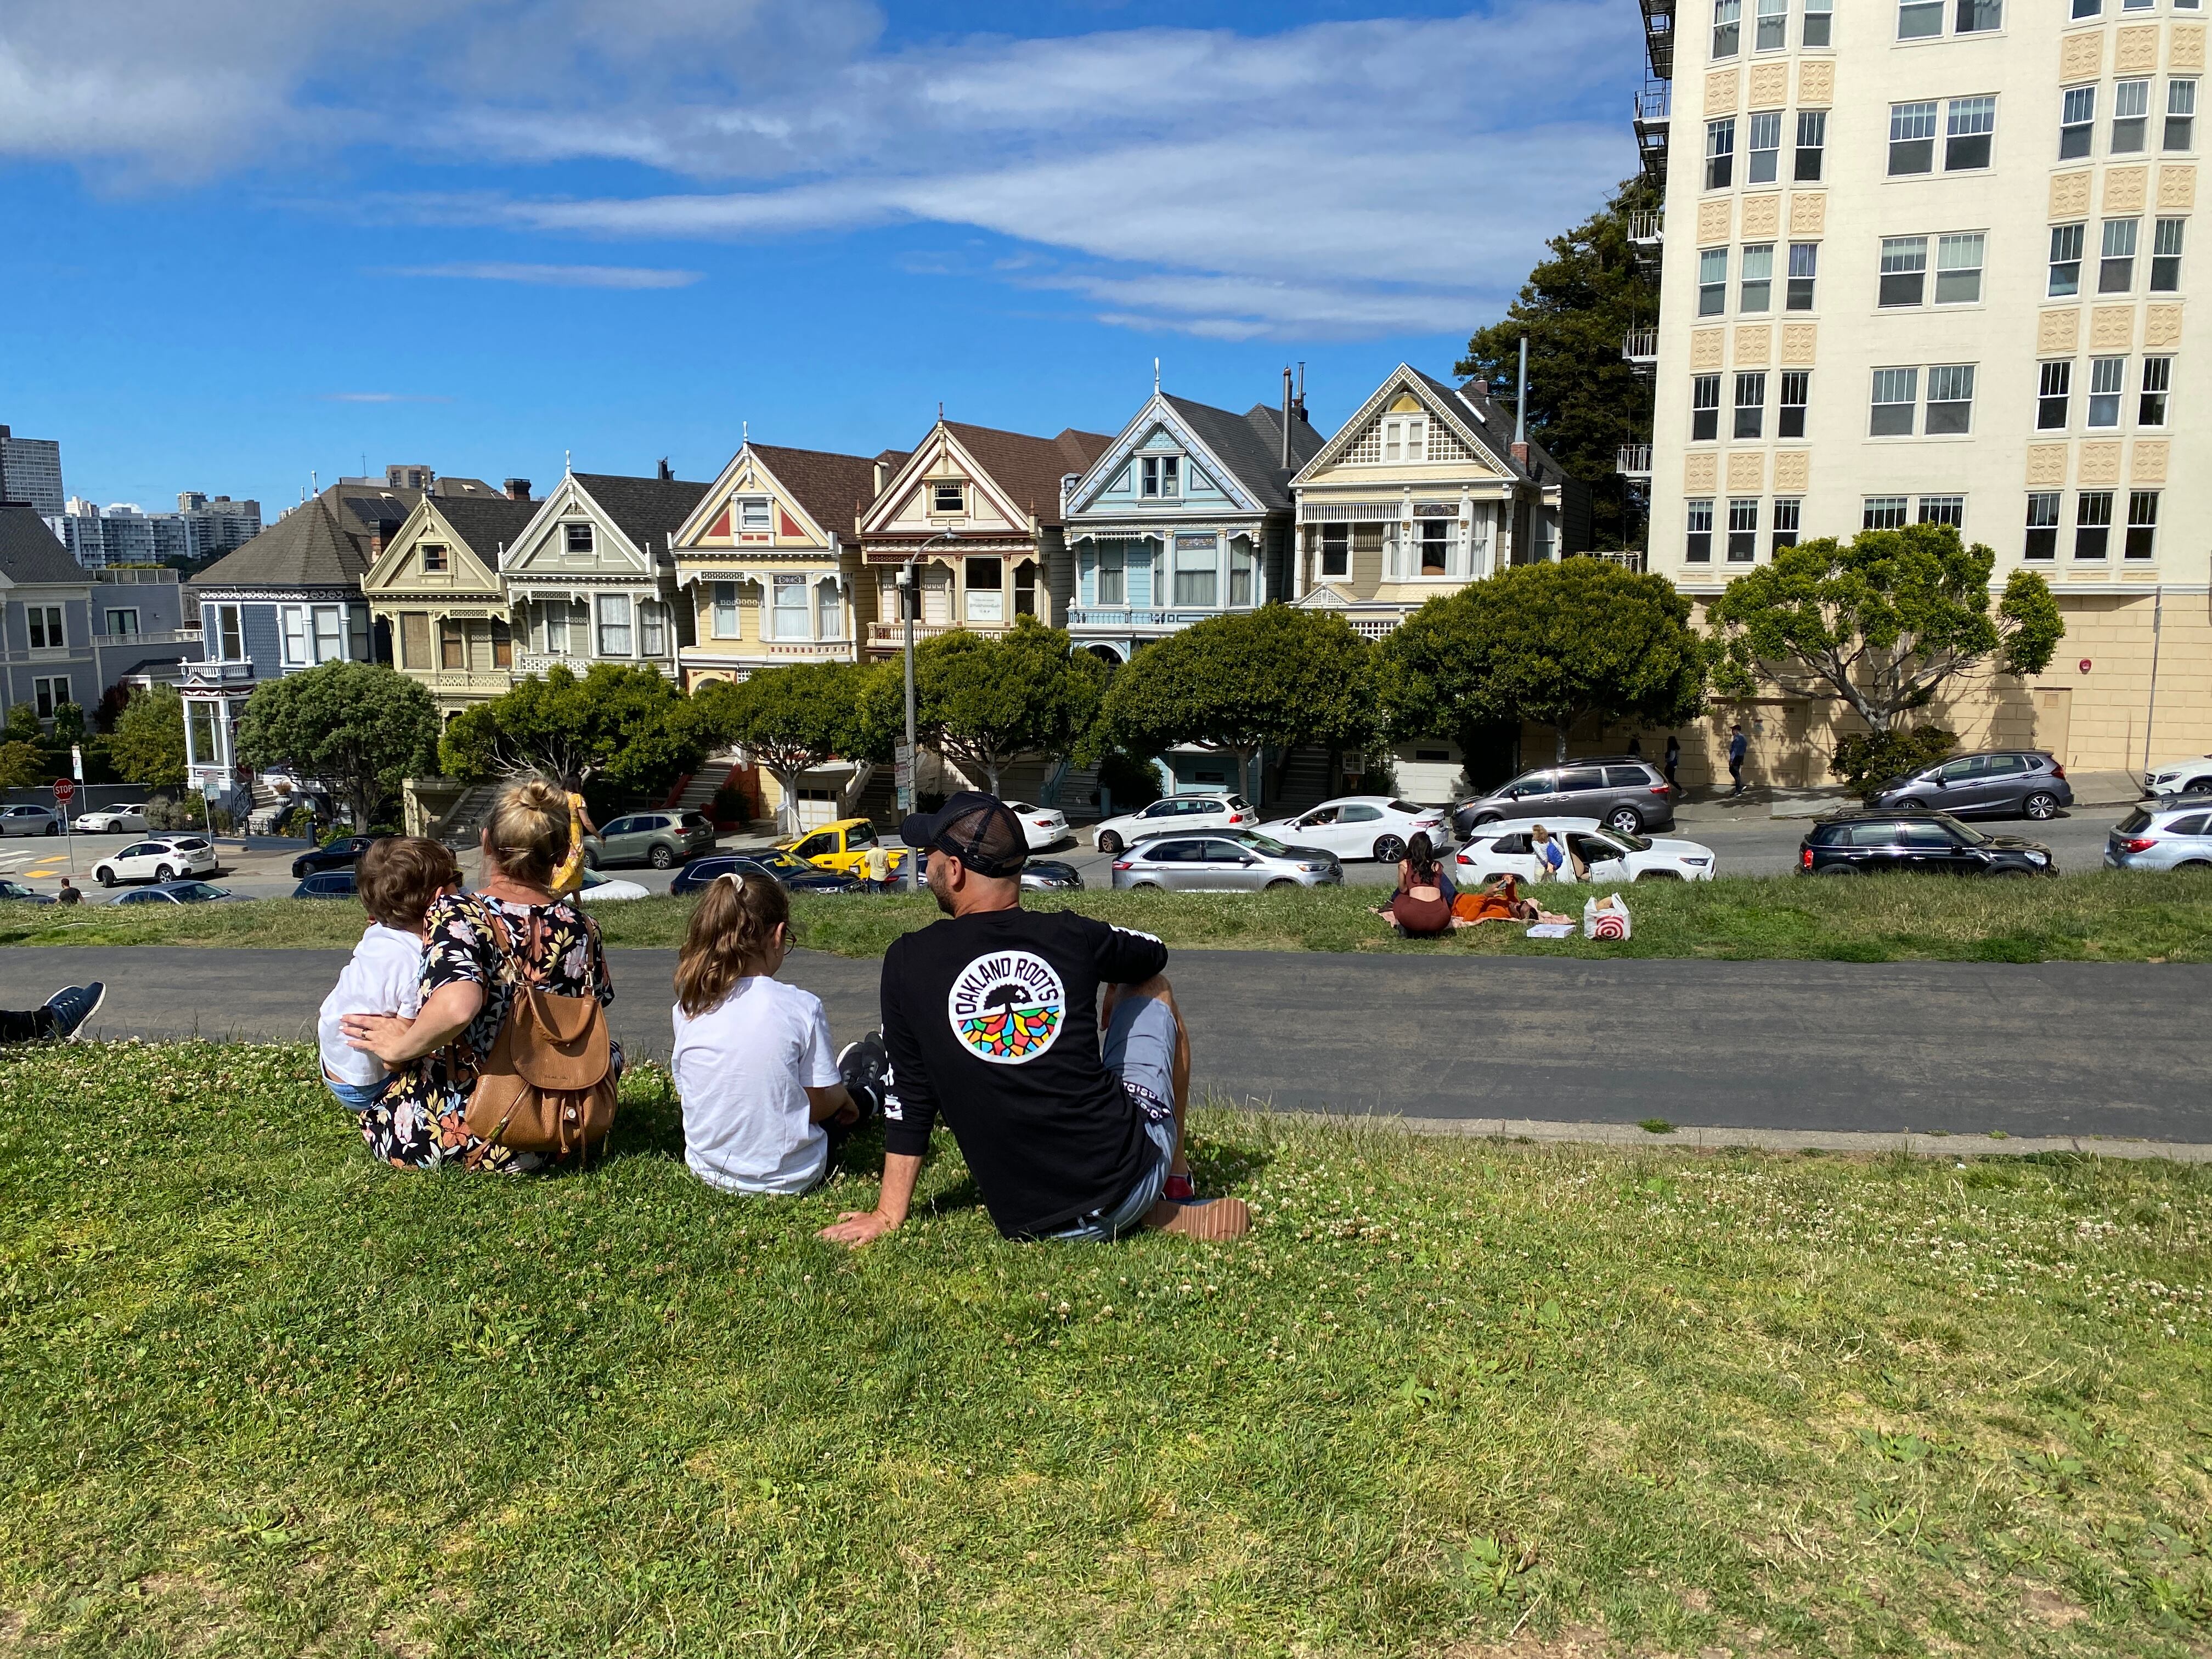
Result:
{"points": [[859, 1227]]}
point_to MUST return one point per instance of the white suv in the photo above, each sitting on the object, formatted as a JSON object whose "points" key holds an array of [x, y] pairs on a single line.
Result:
{"points": [[1212, 812], [165, 858]]}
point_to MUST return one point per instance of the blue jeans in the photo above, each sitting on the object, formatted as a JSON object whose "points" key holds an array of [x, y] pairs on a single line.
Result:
{"points": [[1140, 1045], [359, 1097]]}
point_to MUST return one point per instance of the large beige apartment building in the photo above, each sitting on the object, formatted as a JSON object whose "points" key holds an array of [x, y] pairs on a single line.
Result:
{"points": [[1934, 260]]}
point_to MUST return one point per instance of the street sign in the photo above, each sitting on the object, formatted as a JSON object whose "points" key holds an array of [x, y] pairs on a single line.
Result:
{"points": [[64, 788], [76, 762]]}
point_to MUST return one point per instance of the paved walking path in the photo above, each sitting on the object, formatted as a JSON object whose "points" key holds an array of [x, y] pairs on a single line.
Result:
{"points": [[2062, 1049]]}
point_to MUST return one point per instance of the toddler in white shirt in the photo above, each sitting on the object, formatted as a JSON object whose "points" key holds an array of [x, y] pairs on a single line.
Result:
{"points": [[398, 878]]}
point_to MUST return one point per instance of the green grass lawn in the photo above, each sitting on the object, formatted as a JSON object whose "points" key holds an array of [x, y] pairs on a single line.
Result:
{"points": [[257, 1396], [2108, 916]]}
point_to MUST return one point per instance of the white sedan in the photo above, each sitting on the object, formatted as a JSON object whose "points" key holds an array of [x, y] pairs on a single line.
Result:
{"points": [[1209, 811], [1363, 827], [1044, 826], [114, 820], [164, 859], [1505, 850], [605, 890]]}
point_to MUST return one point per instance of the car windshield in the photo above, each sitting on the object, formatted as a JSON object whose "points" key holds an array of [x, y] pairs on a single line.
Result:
{"points": [[192, 892], [2135, 820], [1019, 807], [1266, 844], [776, 859], [1621, 838], [1407, 807], [1237, 803], [1965, 832]]}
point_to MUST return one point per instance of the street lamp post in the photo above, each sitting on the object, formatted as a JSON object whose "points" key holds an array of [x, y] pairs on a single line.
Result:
{"points": [[906, 611]]}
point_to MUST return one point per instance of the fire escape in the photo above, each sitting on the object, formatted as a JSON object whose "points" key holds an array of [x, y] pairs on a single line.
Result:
{"points": [[1646, 228]]}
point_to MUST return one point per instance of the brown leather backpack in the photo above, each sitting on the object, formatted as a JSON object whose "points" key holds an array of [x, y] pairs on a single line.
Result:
{"points": [[548, 1084]]}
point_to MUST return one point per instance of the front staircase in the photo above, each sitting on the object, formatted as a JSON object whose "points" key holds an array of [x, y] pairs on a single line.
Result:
{"points": [[462, 826], [1308, 781]]}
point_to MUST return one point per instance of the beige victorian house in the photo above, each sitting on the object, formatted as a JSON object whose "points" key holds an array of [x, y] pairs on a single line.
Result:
{"points": [[435, 590], [592, 578]]}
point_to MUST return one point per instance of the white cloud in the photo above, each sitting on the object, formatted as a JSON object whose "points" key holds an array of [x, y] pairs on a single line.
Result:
{"points": [[557, 276]]}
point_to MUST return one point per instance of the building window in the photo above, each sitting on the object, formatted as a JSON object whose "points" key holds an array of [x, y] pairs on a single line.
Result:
{"points": [[1918, 20], [1895, 393], [1818, 13], [2077, 117], [1712, 280], [2088, 9], [1758, 279], [945, 497], [1720, 154], [1904, 270], [2116, 271], [1976, 16], [330, 633], [1163, 476], [2166, 255], [1437, 537], [45, 621], [986, 581], [2157, 382], [2130, 117], [1804, 267], [1786, 510], [502, 645], [756, 515], [1943, 509], [723, 620], [1727, 26], [1774, 26], [2108, 377], [2066, 242], [1789, 413], [1406, 438], [414, 639], [577, 537], [1240, 564], [2181, 115], [614, 624], [788, 607], [1197, 570], [453, 646], [652, 628], [2042, 526], [2092, 523], [293, 620], [1812, 139], [433, 559], [1750, 405], [1705, 407], [1912, 136], [1743, 531], [230, 633], [1113, 574], [122, 624], [1883, 513], [2143, 524], [49, 693], [1698, 542], [1950, 400], [1765, 142], [2053, 391], [1958, 269], [829, 610], [1336, 549], [1970, 125]]}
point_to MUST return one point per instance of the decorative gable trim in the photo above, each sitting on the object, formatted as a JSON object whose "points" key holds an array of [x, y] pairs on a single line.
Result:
{"points": [[471, 576], [1105, 471], [928, 461], [613, 553], [1449, 415]]}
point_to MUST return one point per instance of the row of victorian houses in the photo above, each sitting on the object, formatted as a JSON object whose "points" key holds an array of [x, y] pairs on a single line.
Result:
{"points": [[792, 554]]}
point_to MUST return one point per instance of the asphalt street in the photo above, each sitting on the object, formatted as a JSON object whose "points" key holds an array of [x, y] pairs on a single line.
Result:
{"points": [[2057, 1048]]}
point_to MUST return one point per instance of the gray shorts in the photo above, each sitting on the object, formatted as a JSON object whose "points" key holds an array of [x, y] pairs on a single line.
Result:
{"points": [[1140, 1045]]}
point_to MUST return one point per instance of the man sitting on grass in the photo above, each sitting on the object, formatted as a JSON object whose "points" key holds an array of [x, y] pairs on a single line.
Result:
{"points": [[992, 1018]]}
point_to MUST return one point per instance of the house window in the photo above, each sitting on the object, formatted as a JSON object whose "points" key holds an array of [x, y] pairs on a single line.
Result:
{"points": [[1804, 268], [1113, 574], [2116, 271], [453, 646], [756, 515], [985, 582], [1712, 282], [2088, 9], [1436, 544], [1818, 16], [1240, 573], [1969, 126], [788, 607], [1405, 439], [652, 628], [502, 645], [1163, 476], [2181, 115], [1758, 281], [2143, 524], [1750, 405], [724, 622], [829, 610], [1913, 136], [231, 632], [614, 624], [1797, 393], [414, 639], [1786, 510], [945, 498], [49, 693], [1720, 154], [2066, 242], [1916, 19], [1727, 26], [123, 625], [2166, 255], [2053, 391], [1943, 509], [1774, 26], [577, 537], [1705, 407], [1743, 531], [1197, 570], [2157, 382], [1904, 270], [2042, 526], [1883, 513], [1950, 400], [1765, 142], [1895, 393], [1025, 575], [2092, 523], [2077, 117], [2108, 377], [294, 619], [330, 633], [1812, 139], [45, 621], [2130, 117], [1975, 16], [433, 559], [1698, 544], [1958, 269], [1336, 549]]}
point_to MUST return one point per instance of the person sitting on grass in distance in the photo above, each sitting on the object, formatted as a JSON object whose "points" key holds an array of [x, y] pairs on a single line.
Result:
{"points": [[765, 1109], [398, 879], [992, 1018], [1422, 906]]}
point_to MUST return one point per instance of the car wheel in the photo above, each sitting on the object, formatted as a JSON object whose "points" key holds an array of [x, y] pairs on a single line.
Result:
{"points": [[53, 828], [590, 860], [105, 878], [1109, 843], [1281, 882], [2009, 870], [1909, 805], [662, 858], [1487, 817], [1388, 849], [2194, 864], [1625, 820], [1660, 875], [1839, 869], [162, 872], [2040, 805]]}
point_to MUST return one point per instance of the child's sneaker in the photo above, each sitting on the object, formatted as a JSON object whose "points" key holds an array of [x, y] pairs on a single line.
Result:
{"points": [[864, 1068]]}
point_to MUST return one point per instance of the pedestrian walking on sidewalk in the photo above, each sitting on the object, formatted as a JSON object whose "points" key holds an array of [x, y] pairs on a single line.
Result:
{"points": [[1674, 758], [1738, 747]]}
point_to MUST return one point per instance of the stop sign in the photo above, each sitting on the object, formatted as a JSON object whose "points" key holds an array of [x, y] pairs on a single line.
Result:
{"points": [[64, 788]]}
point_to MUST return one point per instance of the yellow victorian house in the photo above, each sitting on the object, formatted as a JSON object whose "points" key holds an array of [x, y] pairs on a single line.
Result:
{"points": [[435, 589]]}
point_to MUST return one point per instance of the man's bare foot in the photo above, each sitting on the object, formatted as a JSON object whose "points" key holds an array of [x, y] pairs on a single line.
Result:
{"points": [[1216, 1220]]}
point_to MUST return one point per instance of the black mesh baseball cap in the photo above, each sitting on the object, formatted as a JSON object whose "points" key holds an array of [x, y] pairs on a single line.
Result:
{"points": [[981, 831]]}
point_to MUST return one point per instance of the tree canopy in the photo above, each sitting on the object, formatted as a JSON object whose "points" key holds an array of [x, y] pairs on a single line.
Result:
{"points": [[625, 727], [23, 765], [796, 718], [1882, 622], [985, 700], [1553, 644], [356, 727], [146, 744]]}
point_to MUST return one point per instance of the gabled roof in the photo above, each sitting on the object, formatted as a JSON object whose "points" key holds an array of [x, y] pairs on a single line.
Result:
{"points": [[649, 511], [1028, 470], [831, 487], [486, 523], [29, 551], [1251, 444], [308, 547], [1471, 402]]}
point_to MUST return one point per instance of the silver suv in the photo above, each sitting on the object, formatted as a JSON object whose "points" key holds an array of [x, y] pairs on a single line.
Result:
{"points": [[1622, 791], [1224, 861], [2175, 833]]}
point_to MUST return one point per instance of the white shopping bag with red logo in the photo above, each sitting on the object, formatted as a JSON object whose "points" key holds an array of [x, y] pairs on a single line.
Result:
{"points": [[1605, 918]]}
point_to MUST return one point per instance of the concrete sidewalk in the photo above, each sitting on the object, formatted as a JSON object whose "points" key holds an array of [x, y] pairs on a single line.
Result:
{"points": [[1709, 804]]}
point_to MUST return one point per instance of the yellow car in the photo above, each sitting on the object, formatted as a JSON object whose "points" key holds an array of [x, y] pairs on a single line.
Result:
{"points": [[844, 847]]}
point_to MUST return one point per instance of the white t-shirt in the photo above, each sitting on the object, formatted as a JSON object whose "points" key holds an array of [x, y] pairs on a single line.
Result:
{"points": [[384, 977], [743, 1069]]}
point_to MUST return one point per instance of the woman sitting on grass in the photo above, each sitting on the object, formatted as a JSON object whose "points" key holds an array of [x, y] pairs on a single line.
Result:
{"points": [[1422, 906]]}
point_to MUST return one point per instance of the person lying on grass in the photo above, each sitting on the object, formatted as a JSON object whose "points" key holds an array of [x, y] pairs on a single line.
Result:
{"points": [[992, 1018]]}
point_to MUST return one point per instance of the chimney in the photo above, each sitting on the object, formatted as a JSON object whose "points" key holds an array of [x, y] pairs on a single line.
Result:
{"points": [[665, 474], [1286, 417], [518, 489], [1520, 409], [882, 476], [375, 544], [1302, 391]]}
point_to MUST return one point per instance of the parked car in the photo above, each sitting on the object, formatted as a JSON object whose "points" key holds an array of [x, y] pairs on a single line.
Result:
{"points": [[2181, 777], [30, 821], [1506, 849], [1997, 783], [1363, 827], [16, 891], [1207, 811], [164, 858], [663, 839], [1224, 863], [328, 885], [797, 875], [2172, 834], [1044, 826], [340, 855], [1051, 876], [1874, 843], [114, 820], [1622, 792], [605, 890], [181, 892], [842, 848]]}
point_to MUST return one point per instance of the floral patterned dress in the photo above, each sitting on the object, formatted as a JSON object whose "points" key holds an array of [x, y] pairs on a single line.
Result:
{"points": [[420, 1122]]}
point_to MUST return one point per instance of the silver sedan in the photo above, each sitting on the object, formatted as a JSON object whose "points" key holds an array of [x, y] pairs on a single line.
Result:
{"points": [[1224, 861]]}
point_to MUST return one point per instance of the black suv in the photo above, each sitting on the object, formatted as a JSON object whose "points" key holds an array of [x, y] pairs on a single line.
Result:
{"points": [[340, 855], [1870, 843], [1623, 792]]}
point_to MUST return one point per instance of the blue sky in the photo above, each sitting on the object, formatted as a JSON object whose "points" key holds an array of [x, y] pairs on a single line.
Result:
{"points": [[246, 239]]}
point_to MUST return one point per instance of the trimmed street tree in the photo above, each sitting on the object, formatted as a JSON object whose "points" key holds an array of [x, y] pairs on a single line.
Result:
{"points": [[147, 744], [794, 719], [356, 727], [23, 765], [1553, 644], [985, 701], [628, 728], [1883, 623], [1270, 679]]}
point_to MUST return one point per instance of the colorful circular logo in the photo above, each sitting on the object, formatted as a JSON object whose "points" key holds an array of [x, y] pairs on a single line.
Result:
{"points": [[1007, 1007]]}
